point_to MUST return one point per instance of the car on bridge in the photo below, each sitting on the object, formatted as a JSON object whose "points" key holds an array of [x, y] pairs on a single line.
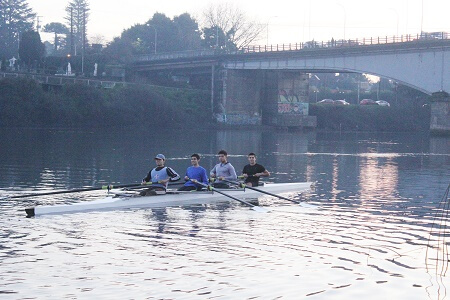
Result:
{"points": [[367, 102], [382, 103], [341, 102], [326, 101]]}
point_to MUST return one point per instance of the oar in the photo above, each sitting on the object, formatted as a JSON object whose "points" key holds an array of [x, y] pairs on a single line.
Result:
{"points": [[261, 191], [254, 207], [105, 187]]}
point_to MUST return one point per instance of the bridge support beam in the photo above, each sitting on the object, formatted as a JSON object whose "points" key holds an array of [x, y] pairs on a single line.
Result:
{"points": [[255, 97], [239, 102], [440, 113]]}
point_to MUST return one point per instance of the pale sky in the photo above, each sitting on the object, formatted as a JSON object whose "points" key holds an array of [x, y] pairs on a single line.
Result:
{"points": [[289, 21]]}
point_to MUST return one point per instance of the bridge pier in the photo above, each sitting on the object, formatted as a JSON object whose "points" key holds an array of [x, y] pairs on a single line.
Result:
{"points": [[440, 113], [268, 97]]}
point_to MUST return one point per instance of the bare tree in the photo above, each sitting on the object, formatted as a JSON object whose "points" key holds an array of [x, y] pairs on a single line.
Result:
{"points": [[234, 23], [98, 39]]}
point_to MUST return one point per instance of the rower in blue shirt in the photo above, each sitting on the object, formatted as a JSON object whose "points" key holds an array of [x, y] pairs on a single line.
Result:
{"points": [[194, 174]]}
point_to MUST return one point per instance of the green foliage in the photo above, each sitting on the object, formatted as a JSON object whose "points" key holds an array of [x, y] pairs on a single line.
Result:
{"points": [[23, 102], [78, 14], [31, 48], [18, 99], [370, 117], [177, 34], [214, 38], [56, 28], [15, 17]]}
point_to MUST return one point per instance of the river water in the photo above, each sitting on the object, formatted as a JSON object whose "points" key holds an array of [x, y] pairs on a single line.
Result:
{"points": [[375, 227]]}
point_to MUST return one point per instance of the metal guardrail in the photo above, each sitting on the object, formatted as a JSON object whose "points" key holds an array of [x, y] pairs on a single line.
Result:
{"points": [[61, 80], [409, 38], [174, 55], [106, 84], [418, 38]]}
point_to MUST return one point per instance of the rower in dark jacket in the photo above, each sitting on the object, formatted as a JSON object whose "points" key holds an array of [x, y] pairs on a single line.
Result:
{"points": [[159, 176], [253, 171]]}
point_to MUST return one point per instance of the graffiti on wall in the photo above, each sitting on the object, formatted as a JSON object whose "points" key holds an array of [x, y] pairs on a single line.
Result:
{"points": [[293, 108], [293, 94]]}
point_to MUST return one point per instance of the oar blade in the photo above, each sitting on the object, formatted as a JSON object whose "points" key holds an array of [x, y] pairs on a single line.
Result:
{"points": [[307, 205], [260, 209]]}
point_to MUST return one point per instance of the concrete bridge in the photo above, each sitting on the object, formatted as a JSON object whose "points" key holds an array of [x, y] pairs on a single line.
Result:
{"points": [[269, 84]]}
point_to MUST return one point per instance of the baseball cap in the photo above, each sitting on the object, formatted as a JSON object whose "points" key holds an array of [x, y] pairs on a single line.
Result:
{"points": [[160, 156]]}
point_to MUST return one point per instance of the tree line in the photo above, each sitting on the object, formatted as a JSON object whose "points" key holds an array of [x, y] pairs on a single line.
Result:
{"points": [[224, 27], [20, 39]]}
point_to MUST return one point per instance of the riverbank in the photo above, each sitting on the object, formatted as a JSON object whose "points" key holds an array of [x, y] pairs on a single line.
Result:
{"points": [[23, 102], [371, 117]]}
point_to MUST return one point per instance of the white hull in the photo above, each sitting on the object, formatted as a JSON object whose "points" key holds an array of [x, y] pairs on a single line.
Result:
{"points": [[169, 199]]}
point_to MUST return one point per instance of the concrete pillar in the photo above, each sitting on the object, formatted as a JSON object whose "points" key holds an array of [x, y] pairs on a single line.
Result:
{"points": [[286, 100], [255, 97], [440, 113], [240, 102]]}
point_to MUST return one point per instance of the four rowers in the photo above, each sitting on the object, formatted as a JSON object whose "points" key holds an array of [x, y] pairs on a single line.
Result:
{"points": [[196, 176]]}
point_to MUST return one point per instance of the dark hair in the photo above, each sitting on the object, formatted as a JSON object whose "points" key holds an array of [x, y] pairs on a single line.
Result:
{"points": [[223, 152], [196, 156], [251, 153]]}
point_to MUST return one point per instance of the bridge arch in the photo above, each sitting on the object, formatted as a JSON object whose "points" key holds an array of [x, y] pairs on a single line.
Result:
{"points": [[424, 68]]}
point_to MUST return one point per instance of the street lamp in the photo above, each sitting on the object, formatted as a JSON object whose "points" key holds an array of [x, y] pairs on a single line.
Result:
{"points": [[345, 16], [396, 13], [421, 20], [156, 34]]}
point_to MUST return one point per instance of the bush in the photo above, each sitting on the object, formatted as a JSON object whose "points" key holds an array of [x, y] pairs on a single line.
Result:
{"points": [[23, 102], [370, 118]]}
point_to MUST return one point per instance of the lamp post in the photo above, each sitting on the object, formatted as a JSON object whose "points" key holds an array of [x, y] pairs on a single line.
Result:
{"points": [[421, 21], [396, 13], [345, 16], [156, 34]]}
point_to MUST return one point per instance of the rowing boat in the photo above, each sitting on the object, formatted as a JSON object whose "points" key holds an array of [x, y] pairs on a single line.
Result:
{"points": [[123, 200]]}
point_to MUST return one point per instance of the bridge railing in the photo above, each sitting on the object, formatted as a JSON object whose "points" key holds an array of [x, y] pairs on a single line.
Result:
{"points": [[409, 38], [106, 84], [61, 80], [418, 38], [174, 55]]}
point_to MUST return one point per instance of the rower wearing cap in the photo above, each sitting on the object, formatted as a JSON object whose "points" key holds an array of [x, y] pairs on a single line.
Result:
{"points": [[159, 176]]}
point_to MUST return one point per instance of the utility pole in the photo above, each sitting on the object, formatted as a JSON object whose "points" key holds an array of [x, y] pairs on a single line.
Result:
{"points": [[217, 37], [71, 31], [84, 41], [38, 25]]}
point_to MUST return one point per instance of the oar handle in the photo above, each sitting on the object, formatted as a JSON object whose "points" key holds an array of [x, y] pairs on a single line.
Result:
{"points": [[104, 187], [254, 207]]}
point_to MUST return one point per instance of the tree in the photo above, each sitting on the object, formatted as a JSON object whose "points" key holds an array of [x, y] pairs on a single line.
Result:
{"points": [[15, 18], [188, 33], [57, 28], [31, 49], [77, 19], [214, 37], [239, 31], [160, 34]]}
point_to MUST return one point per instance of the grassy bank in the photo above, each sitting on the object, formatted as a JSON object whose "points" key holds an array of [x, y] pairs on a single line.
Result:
{"points": [[371, 117], [24, 102]]}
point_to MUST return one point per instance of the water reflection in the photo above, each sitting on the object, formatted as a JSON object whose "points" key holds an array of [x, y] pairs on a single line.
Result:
{"points": [[376, 200]]}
